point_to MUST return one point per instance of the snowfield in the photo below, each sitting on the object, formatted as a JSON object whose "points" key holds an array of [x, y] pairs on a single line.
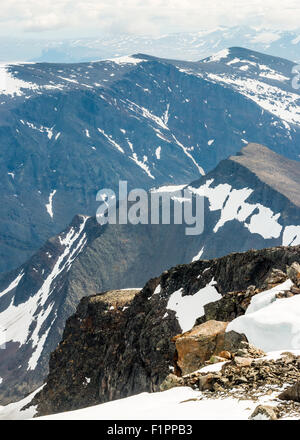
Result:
{"points": [[270, 323], [190, 307], [176, 404]]}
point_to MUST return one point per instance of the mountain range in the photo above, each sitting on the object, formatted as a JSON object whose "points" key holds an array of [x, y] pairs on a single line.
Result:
{"points": [[185, 45], [68, 130]]}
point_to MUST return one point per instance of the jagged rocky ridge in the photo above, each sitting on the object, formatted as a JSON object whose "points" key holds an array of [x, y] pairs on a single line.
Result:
{"points": [[244, 208], [172, 119], [121, 343]]}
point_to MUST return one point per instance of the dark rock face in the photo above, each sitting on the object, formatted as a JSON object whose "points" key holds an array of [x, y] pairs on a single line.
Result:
{"points": [[292, 393], [128, 349], [41, 292]]}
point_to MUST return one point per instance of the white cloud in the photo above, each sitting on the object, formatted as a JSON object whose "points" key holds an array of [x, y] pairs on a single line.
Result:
{"points": [[143, 16], [265, 37]]}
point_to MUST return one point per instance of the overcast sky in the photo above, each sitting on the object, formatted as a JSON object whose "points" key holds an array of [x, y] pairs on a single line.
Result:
{"points": [[77, 18]]}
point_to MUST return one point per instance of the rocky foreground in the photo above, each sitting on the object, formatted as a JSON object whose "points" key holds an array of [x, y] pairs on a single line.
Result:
{"points": [[181, 330]]}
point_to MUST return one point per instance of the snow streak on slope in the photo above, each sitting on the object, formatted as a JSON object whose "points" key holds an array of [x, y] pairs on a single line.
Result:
{"points": [[162, 122], [13, 284], [142, 164], [25, 323], [49, 205], [111, 141]]}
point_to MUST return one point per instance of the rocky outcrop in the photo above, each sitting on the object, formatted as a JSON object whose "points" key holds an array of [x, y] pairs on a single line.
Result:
{"points": [[122, 343], [247, 375], [197, 346], [110, 349], [291, 393]]}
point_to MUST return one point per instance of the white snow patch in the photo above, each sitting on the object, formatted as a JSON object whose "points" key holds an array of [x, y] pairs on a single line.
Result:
{"points": [[17, 321], [142, 164], [265, 223], [190, 307], [166, 115], [157, 290], [233, 206], [291, 236], [126, 60], [198, 256], [179, 403], [9, 85], [185, 150], [49, 205], [157, 153], [13, 284], [218, 56]]}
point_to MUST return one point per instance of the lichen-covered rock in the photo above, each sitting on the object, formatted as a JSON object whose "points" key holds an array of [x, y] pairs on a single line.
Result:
{"points": [[171, 381], [274, 277], [242, 361], [264, 412], [293, 273], [291, 393], [199, 345], [208, 381], [248, 350]]}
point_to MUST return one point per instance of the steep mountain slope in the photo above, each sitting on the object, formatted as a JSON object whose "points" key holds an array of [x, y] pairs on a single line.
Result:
{"points": [[244, 208], [67, 131]]}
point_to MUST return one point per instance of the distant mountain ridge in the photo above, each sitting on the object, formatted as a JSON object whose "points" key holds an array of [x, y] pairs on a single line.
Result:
{"points": [[181, 45], [244, 209], [274, 170]]}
